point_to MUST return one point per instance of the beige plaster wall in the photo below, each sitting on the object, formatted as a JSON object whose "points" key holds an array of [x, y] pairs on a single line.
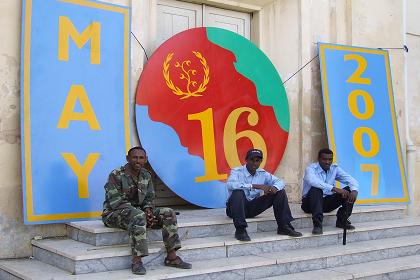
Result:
{"points": [[289, 35], [413, 94], [282, 18], [379, 23]]}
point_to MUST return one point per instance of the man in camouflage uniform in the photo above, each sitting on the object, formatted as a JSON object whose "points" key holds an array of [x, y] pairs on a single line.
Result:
{"points": [[128, 205]]}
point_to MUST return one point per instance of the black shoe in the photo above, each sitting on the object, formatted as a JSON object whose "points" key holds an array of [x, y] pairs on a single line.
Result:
{"points": [[348, 226], [288, 230], [242, 235], [178, 263], [138, 268], [317, 230]]}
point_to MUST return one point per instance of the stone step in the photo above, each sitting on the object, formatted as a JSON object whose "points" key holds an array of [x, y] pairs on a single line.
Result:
{"points": [[378, 259], [78, 257], [213, 222], [29, 269], [395, 268]]}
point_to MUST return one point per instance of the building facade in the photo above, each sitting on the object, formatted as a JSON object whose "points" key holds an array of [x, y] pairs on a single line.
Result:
{"points": [[286, 30]]}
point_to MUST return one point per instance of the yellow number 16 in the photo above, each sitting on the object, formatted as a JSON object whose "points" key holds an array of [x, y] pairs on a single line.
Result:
{"points": [[230, 138]]}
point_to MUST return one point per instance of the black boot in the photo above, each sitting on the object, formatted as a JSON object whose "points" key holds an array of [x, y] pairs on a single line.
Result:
{"points": [[317, 221], [340, 224], [242, 235], [317, 230], [289, 230]]}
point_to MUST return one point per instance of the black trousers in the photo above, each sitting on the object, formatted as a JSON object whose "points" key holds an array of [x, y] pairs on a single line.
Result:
{"points": [[238, 207], [315, 203]]}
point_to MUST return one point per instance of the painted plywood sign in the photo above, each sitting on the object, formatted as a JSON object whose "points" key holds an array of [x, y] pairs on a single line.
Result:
{"points": [[206, 96], [75, 111], [361, 120]]}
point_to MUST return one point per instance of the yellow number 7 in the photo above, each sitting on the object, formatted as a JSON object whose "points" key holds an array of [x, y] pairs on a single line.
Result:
{"points": [[374, 168]]}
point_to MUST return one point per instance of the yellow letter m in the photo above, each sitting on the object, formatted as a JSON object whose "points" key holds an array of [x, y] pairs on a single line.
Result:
{"points": [[92, 32]]}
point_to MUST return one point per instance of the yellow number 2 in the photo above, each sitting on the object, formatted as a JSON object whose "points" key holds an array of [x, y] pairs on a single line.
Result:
{"points": [[356, 78]]}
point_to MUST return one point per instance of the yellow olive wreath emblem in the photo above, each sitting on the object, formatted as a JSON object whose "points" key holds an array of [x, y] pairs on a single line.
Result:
{"points": [[188, 75]]}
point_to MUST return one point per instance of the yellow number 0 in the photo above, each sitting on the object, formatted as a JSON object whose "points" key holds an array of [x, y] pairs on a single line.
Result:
{"points": [[354, 109], [230, 137], [373, 140]]}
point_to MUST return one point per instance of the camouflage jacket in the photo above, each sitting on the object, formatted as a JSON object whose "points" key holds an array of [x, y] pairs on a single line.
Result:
{"points": [[122, 189]]}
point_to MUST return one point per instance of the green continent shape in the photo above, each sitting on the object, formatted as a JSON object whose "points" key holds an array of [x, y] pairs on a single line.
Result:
{"points": [[254, 64]]}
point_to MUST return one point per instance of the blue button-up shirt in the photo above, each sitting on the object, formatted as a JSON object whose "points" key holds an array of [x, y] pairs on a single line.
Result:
{"points": [[241, 179], [316, 177]]}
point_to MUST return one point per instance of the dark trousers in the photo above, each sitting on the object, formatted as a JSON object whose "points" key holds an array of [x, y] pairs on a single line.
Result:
{"points": [[315, 203], [238, 207]]}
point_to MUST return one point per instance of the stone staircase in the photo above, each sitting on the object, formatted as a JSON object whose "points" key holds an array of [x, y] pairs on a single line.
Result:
{"points": [[385, 245]]}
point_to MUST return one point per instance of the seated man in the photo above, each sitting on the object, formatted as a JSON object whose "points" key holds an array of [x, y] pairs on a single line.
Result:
{"points": [[320, 195], [128, 205], [252, 190]]}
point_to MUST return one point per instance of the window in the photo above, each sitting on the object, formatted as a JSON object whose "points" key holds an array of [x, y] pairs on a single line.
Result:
{"points": [[176, 16]]}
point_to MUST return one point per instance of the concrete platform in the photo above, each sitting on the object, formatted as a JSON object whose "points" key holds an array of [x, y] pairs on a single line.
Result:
{"points": [[396, 268], [78, 257], [214, 222], [385, 245], [248, 267]]}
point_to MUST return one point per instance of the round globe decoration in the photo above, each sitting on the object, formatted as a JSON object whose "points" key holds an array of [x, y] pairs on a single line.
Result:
{"points": [[205, 97]]}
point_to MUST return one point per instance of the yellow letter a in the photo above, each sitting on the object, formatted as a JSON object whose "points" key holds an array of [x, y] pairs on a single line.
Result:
{"points": [[77, 92], [81, 171]]}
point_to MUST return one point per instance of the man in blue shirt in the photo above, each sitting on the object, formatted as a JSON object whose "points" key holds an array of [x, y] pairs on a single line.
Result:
{"points": [[320, 195], [253, 190]]}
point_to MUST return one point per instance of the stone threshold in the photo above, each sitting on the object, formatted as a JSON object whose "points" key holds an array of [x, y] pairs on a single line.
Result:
{"points": [[81, 251], [194, 218]]}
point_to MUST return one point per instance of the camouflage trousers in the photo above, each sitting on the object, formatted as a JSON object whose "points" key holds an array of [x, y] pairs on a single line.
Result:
{"points": [[133, 220]]}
